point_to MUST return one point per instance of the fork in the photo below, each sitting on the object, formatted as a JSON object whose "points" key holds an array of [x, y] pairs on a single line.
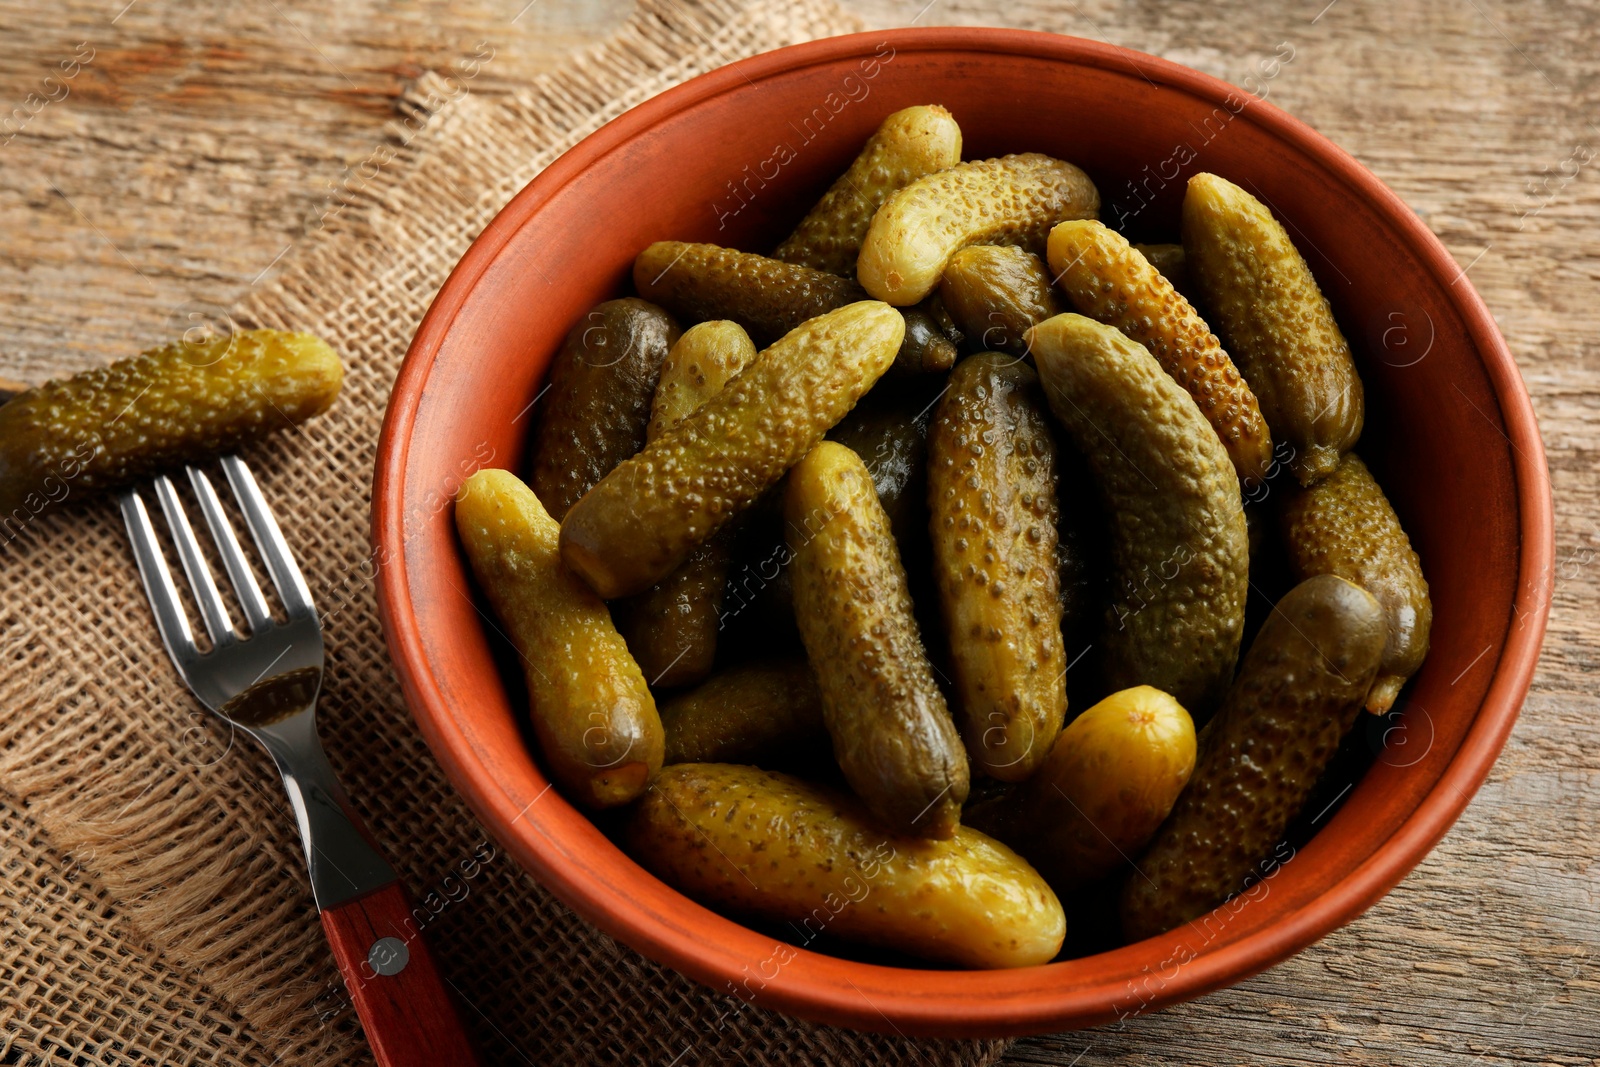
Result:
{"points": [[266, 682]]}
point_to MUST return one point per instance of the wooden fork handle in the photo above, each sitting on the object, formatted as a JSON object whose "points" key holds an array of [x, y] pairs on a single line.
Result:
{"points": [[404, 1004]]}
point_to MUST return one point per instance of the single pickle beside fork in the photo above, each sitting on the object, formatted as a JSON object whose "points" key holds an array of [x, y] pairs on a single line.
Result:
{"points": [[182, 403]]}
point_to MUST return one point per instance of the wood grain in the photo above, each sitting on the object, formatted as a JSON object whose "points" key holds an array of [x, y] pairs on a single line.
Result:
{"points": [[192, 151]]}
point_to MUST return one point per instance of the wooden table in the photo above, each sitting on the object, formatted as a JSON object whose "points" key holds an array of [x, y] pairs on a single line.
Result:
{"points": [[189, 147]]}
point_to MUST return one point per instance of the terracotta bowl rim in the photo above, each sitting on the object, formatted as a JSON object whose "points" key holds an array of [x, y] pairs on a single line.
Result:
{"points": [[948, 1012]]}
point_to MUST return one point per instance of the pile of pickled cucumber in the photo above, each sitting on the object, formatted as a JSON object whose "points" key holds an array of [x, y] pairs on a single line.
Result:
{"points": [[814, 546]]}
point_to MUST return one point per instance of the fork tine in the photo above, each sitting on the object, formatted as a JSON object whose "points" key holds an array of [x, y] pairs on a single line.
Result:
{"points": [[268, 538], [255, 607], [212, 609], [171, 621]]}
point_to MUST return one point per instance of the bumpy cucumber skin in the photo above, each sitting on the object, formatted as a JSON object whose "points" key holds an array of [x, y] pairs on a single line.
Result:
{"points": [[593, 715], [755, 713], [1344, 525], [892, 732], [183, 403], [777, 848], [992, 519], [1298, 693], [1180, 554], [908, 144], [1107, 786], [672, 626], [696, 368], [1169, 259], [1108, 280], [644, 518], [766, 296], [996, 293], [1011, 200], [596, 407], [1261, 297]]}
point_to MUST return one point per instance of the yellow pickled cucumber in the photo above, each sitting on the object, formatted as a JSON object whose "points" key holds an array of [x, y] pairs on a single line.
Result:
{"points": [[1266, 306], [1344, 525], [1011, 200], [910, 143], [595, 410], [992, 518], [756, 713], [995, 293], [644, 518], [593, 715], [1298, 692], [672, 627], [183, 403], [1108, 280], [926, 348], [1180, 554], [774, 847], [891, 730], [1107, 786]]}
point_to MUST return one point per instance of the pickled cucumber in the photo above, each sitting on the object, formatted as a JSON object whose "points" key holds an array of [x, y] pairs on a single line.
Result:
{"points": [[910, 143], [596, 408], [1179, 554], [644, 518], [1260, 296], [1344, 525], [756, 713], [1170, 261], [996, 293], [593, 715], [1011, 200], [992, 517], [891, 730], [1107, 786], [1108, 280], [672, 627], [777, 848], [767, 296], [1298, 692], [926, 349], [183, 403]]}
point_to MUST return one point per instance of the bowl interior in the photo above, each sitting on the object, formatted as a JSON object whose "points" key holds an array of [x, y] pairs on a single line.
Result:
{"points": [[735, 158]]}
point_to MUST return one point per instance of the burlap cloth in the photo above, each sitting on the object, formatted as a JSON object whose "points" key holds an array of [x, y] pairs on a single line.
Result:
{"points": [[157, 909]]}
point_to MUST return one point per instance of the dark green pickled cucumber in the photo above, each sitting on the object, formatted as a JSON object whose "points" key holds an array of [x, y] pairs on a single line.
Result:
{"points": [[926, 349], [993, 522], [1344, 525], [995, 293], [1180, 555], [764, 714], [768, 297], [644, 518], [892, 733], [596, 408], [183, 403], [1298, 693]]}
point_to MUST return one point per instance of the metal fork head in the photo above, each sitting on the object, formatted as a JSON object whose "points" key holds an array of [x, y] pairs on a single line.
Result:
{"points": [[270, 671]]}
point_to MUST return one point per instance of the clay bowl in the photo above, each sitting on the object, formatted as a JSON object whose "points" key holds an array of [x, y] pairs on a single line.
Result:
{"points": [[735, 157]]}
